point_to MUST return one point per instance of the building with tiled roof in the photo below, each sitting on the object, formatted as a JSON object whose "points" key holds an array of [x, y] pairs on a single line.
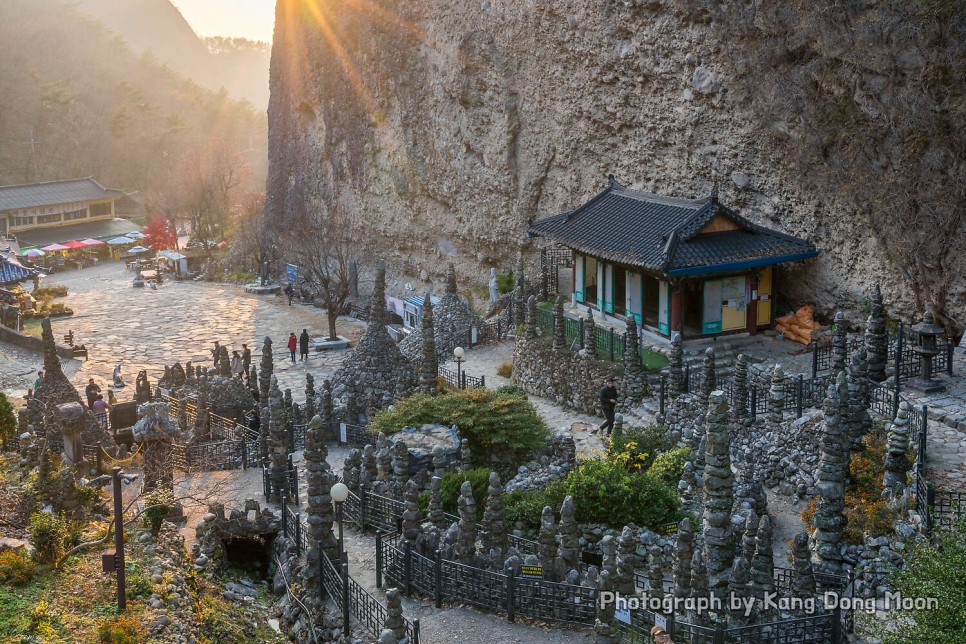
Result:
{"points": [[54, 204], [694, 266]]}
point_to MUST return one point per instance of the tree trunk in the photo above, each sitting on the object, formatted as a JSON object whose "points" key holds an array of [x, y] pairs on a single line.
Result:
{"points": [[332, 313]]}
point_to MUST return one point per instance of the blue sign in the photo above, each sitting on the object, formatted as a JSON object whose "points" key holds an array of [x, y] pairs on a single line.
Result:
{"points": [[292, 273]]}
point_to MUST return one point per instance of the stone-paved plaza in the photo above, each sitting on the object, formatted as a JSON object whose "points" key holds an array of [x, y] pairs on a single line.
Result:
{"points": [[141, 328]]}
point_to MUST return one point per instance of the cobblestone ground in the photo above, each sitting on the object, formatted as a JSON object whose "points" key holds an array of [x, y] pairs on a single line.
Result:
{"points": [[140, 328]]}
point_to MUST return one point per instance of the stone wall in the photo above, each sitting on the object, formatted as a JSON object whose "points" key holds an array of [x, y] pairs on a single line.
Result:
{"points": [[30, 342], [572, 380]]}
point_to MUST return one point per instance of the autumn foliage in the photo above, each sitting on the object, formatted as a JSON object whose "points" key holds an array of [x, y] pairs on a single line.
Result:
{"points": [[159, 234]]}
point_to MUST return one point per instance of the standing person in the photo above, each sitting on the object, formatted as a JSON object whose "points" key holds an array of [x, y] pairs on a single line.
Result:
{"points": [[304, 345], [40, 378], [293, 344], [91, 392], [290, 291], [246, 360], [216, 353], [608, 402], [236, 365], [101, 409]]}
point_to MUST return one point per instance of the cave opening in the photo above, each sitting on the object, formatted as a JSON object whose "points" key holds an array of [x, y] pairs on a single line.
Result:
{"points": [[252, 555]]}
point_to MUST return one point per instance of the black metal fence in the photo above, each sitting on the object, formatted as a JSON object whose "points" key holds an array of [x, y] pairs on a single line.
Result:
{"points": [[552, 259], [902, 355], [460, 379], [290, 489], [608, 341], [455, 582], [354, 600]]}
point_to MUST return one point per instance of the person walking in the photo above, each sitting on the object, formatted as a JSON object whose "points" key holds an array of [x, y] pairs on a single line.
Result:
{"points": [[236, 365], [608, 402], [293, 344], [290, 291], [304, 345], [246, 360], [91, 392]]}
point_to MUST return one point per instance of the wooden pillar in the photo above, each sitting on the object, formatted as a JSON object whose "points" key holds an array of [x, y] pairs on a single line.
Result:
{"points": [[677, 309], [753, 304]]}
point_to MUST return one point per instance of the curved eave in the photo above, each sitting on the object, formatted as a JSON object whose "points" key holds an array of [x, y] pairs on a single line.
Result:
{"points": [[742, 265]]}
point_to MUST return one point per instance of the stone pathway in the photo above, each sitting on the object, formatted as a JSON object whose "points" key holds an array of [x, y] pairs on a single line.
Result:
{"points": [[146, 329]]}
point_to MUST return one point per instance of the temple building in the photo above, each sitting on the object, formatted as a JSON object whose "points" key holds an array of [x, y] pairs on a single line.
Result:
{"points": [[56, 211], [694, 266]]}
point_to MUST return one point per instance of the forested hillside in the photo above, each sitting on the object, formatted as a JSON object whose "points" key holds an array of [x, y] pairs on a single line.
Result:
{"points": [[76, 101], [156, 26]]}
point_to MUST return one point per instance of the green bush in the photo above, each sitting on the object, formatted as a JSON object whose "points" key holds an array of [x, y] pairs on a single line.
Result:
{"points": [[158, 504], [505, 281], [8, 421], [934, 570], [50, 535], [452, 482], [16, 568], [492, 421], [668, 466], [526, 507], [606, 492], [640, 445], [45, 292]]}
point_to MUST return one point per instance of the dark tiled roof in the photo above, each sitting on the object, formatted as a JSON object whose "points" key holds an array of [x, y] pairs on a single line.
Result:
{"points": [[661, 233], [51, 193], [103, 230]]}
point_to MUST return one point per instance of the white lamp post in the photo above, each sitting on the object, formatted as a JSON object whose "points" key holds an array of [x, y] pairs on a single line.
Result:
{"points": [[458, 354], [339, 494]]}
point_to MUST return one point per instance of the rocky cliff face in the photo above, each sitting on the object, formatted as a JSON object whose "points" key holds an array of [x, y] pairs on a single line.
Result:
{"points": [[446, 127]]}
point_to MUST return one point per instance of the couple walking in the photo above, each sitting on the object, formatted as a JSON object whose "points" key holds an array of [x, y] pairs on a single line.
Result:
{"points": [[301, 343]]}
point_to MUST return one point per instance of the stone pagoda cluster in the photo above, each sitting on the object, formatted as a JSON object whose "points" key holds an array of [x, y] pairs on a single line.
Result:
{"points": [[453, 321], [375, 372]]}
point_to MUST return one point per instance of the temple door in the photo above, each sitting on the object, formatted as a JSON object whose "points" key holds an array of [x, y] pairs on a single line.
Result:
{"points": [[764, 297], [733, 303]]}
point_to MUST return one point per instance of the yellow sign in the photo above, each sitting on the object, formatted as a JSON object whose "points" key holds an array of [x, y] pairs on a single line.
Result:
{"points": [[532, 571]]}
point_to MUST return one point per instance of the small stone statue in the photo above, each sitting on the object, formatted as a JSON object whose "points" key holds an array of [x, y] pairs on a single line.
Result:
{"points": [[118, 382], [494, 289]]}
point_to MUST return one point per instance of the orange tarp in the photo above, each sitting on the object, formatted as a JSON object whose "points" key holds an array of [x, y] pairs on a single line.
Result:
{"points": [[799, 326]]}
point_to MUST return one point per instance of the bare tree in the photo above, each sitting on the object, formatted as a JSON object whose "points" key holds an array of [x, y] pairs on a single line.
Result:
{"points": [[252, 243], [209, 180], [323, 250]]}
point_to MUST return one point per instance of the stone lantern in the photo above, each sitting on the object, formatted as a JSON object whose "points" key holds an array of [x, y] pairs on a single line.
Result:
{"points": [[927, 348]]}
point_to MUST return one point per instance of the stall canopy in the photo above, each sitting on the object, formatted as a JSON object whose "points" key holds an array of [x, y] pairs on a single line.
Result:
{"points": [[138, 249], [120, 241], [55, 247], [135, 235], [92, 242], [172, 255], [75, 244], [33, 252]]}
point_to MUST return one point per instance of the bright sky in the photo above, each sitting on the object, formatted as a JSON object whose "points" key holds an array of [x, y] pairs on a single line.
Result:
{"points": [[254, 19]]}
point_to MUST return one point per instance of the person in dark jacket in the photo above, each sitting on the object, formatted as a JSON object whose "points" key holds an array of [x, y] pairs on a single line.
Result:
{"points": [[608, 402], [91, 391], [246, 360], [304, 345]]}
